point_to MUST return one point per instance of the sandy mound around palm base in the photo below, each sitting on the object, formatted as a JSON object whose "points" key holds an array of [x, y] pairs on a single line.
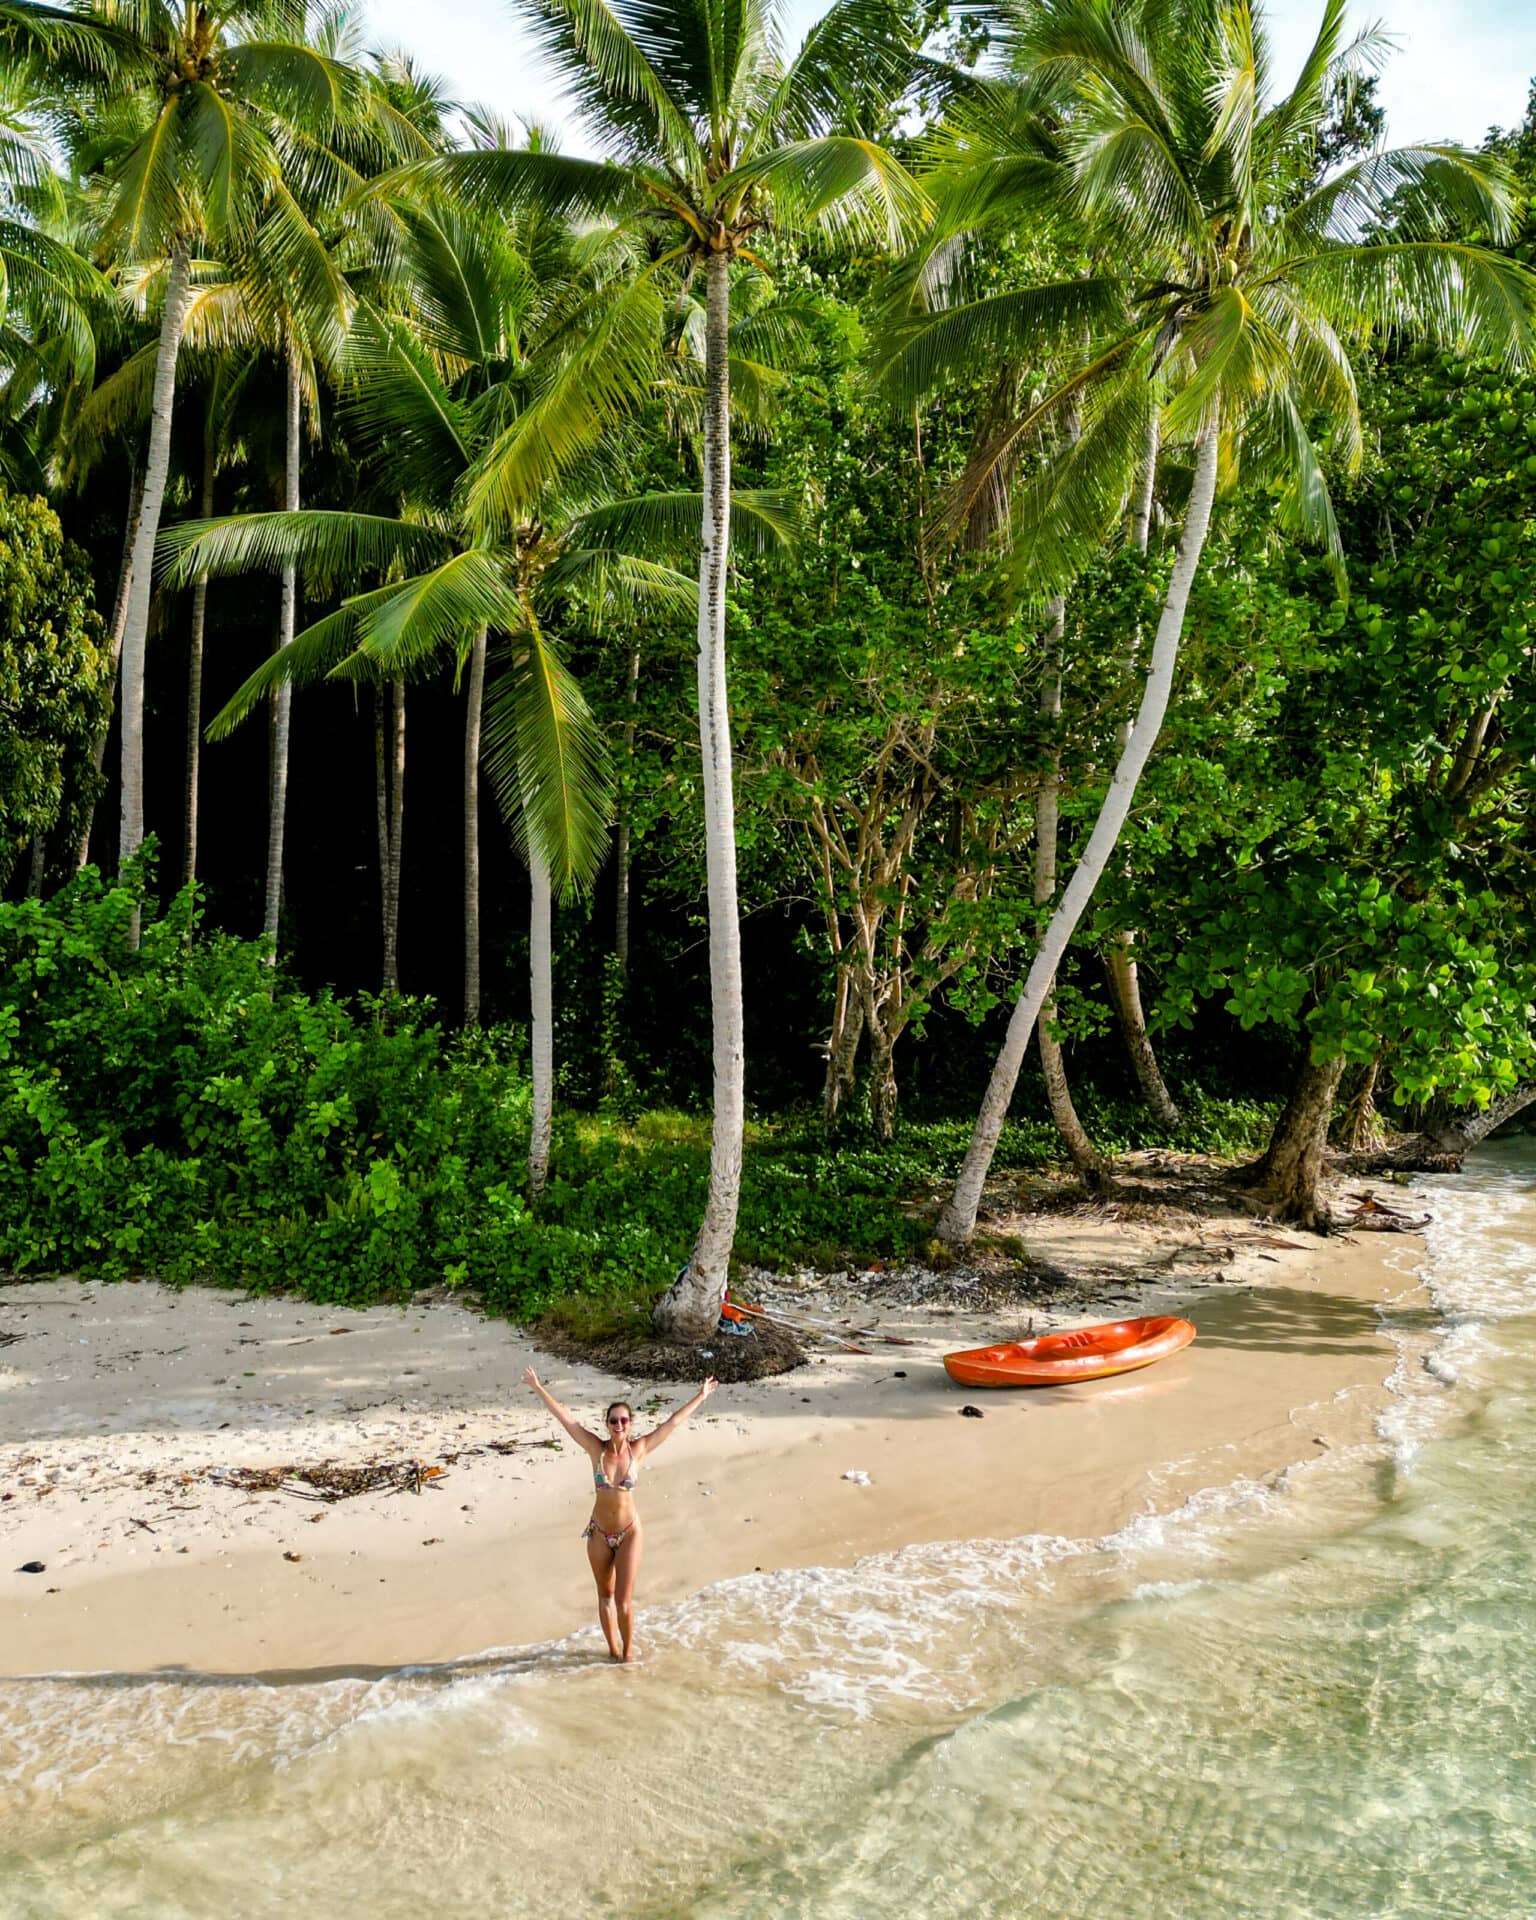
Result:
{"points": [[730, 1358]]}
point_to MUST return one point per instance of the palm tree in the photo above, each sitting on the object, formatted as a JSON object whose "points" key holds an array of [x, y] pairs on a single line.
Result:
{"points": [[51, 298], [1220, 313], [212, 91], [711, 136], [295, 271], [450, 577]]}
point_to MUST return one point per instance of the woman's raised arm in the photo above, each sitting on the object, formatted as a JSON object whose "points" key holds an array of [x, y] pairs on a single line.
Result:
{"points": [[675, 1420], [580, 1434]]}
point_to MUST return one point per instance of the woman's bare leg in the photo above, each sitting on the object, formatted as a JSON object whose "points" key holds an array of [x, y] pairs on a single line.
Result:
{"points": [[600, 1560], [626, 1566]]}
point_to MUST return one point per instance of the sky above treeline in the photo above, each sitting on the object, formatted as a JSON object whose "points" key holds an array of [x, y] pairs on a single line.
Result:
{"points": [[1462, 65]]}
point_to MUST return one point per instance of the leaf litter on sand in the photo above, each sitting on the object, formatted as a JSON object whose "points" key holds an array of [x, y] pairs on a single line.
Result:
{"points": [[329, 1482]]}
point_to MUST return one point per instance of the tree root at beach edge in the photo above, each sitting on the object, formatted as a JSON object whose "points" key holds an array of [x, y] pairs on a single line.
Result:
{"points": [[640, 1355]]}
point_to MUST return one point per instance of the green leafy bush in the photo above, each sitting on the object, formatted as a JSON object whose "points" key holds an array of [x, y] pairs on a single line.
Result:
{"points": [[183, 1110]]}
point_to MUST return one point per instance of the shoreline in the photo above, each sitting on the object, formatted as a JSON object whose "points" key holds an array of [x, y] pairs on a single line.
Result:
{"points": [[119, 1400]]}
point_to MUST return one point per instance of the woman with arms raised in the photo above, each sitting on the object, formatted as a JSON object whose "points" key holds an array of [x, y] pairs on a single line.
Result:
{"points": [[613, 1534]]}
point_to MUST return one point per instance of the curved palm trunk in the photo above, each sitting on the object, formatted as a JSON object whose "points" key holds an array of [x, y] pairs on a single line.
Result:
{"points": [[542, 997], [1091, 1167], [282, 709], [1124, 977], [195, 684], [157, 466], [691, 1306], [115, 636], [473, 708], [957, 1221]]}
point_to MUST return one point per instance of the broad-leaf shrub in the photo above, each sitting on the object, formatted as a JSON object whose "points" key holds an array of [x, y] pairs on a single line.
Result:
{"points": [[184, 1111]]}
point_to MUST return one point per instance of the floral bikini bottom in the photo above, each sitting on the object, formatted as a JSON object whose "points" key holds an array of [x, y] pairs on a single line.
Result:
{"points": [[615, 1540]]}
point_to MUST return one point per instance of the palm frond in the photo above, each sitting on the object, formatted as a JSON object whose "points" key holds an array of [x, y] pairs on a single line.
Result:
{"points": [[395, 402], [150, 209], [1418, 192], [857, 53], [701, 51], [1061, 407], [612, 586], [1329, 58], [547, 760], [627, 101], [494, 180], [114, 410], [672, 523], [298, 281], [1233, 361], [295, 81], [1233, 94], [230, 157], [1463, 297], [839, 183], [1306, 505], [328, 547], [924, 351], [1065, 514], [310, 656], [584, 391], [434, 614]]}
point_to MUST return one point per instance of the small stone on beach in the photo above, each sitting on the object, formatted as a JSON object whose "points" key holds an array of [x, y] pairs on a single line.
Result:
{"points": [[972, 1413]]}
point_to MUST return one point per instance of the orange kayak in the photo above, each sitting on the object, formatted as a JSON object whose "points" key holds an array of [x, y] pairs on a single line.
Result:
{"points": [[1086, 1353]]}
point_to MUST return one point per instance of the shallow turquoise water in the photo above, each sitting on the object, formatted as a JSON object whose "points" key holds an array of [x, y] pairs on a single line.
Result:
{"points": [[1313, 1701]]}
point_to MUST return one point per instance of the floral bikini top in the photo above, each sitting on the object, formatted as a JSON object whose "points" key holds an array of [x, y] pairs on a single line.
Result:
{"points": [[601, 1481]]}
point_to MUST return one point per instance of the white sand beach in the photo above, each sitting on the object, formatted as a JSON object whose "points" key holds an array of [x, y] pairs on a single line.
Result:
{"points": [[120, 1405]]}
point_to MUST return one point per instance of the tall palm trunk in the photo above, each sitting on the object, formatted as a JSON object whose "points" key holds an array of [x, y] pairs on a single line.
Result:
{"points": [[1124, 975], [381, 821], [282, 709], [37, 870], [957, 1221], [157, 466], [195, 682], [389, 766], [621, 827], [542, 996], [1091, 1167], [691, 1306], [473, 707], [115, 636]]}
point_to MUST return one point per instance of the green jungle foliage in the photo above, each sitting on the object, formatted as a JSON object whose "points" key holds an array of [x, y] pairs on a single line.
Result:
{"points": [[180, 1111], [55, 676], [990, 353]]}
